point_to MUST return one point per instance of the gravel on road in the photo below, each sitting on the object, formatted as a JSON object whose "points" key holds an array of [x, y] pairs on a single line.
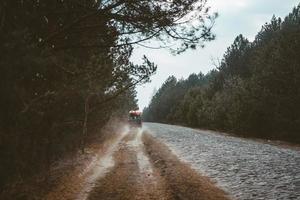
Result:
{"points": [[246, 169]]}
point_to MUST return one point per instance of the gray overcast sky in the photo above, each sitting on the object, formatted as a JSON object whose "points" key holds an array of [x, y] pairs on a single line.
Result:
{"points": [[235, 17]]}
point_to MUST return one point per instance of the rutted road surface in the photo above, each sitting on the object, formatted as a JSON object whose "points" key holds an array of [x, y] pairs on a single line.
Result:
{"points": [[172, 162], [244, 168], [145, 169], [135, 166]]}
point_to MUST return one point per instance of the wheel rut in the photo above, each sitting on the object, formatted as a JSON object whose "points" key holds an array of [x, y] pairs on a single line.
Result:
{"points": [[135, 166], [146, 169]]}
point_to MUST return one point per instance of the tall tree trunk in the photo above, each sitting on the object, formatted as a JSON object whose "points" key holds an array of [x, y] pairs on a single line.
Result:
{"points": [[85, 121]]}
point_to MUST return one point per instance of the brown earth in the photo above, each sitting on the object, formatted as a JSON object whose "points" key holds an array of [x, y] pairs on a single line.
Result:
{"points": [[168, 178], [63, 178], [71, 182], [126, 180], [131, 165], [183, 181]]}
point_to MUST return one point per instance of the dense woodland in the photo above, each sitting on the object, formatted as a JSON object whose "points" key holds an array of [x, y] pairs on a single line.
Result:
{"points": [[254, 91], [65, 70]]}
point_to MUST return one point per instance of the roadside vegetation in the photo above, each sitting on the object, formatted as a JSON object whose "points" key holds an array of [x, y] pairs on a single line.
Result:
{"points": [[253, 92], [65, 70]]}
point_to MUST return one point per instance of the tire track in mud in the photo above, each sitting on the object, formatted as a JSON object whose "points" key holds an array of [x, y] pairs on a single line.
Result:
{"points": [[145, 169], [98, 168], [135, 166], [78, 183], [133, 176]]}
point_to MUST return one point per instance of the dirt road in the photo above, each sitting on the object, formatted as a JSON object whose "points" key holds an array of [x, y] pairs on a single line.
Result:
{"points": [[169, 162], [133, 166]]}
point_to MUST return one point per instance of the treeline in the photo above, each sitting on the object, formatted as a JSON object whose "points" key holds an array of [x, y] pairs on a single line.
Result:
{"points": [[255, 90], [65, 70], [52, 101]]}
